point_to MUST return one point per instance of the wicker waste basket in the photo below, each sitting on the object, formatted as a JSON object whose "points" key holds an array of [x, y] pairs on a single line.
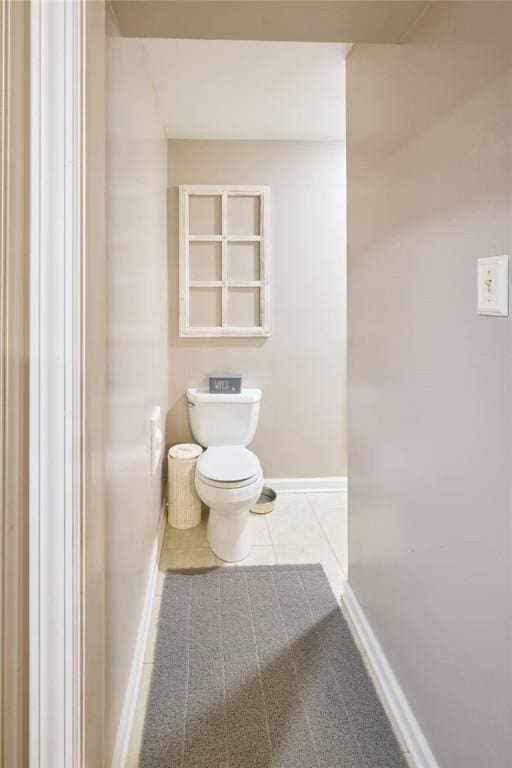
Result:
{"points": [[184, 509]]}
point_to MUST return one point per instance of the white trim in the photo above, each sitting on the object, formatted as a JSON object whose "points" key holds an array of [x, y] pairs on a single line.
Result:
{"points": [[416, 742], [307, 484], [55, 465], [124, 730]]}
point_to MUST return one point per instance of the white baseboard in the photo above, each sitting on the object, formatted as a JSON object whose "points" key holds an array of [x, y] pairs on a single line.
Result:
{"points": [[307, 484], [130, 698], [416, 742]]}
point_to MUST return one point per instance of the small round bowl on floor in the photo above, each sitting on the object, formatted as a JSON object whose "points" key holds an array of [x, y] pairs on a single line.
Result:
{"points": [[266, 502], [228, 530]]}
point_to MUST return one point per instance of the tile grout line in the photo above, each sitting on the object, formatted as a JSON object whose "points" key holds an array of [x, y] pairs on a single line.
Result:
{"points": [[188, 678], [404, 751], [274, 550], [292, 660], [223, 673], [324, 535], [333, 676], [291, 495], [267, 528], [259, 668]]}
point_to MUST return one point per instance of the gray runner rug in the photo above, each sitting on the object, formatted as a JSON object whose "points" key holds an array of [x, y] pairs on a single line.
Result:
{"points": [[255, 667]]}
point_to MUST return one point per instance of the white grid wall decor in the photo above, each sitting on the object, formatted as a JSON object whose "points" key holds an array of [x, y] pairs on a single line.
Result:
{"points": [[224, 260]]}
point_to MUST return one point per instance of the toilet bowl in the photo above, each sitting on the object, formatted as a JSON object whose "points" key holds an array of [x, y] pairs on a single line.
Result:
{"points": [[229, 479]]}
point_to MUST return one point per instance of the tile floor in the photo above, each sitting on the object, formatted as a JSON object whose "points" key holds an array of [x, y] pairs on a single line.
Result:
{"points": [[303, 528]]}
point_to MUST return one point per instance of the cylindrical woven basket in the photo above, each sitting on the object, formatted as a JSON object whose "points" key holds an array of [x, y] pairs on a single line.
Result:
{"points": [[184, 510]]}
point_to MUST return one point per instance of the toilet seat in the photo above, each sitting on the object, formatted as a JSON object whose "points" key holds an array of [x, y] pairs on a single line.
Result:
{"points": [[234, 485], [228, 466]]}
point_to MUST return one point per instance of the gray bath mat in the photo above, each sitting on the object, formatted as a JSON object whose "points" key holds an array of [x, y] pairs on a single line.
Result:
{"points": [[255, 667]]}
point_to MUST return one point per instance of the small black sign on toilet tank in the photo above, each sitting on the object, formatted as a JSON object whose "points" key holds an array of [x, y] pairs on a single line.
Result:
{"points": [[225, 384]]}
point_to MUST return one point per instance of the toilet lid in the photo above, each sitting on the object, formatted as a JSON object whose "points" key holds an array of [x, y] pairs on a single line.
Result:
{"points": [[228, 464]]}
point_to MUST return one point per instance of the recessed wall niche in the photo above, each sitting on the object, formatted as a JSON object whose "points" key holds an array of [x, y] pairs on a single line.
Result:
{"points": [[224, 260]]}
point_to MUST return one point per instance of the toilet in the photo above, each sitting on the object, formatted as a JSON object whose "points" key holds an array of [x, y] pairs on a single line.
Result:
{"points": [[229, 478]]}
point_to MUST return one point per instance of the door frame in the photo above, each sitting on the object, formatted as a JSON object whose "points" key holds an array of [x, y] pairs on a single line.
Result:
{"points": [[66, 392], [14, 146]]}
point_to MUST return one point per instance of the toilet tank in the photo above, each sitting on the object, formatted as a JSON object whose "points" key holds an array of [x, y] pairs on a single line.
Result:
{"points": [[223, 419]]}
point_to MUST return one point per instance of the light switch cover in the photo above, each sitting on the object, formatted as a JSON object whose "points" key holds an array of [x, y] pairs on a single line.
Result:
{"points": [[493, 280]]}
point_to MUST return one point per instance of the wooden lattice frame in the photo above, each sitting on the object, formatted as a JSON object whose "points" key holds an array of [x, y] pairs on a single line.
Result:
{"points": [[224, 284]]}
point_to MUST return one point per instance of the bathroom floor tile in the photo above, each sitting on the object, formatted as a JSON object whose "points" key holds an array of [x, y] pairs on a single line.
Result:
{"points": [[333, 522], [300, 535], [190, 538], [337, 577], [288, 501], [303, 528], [199, 557], [260, 535], [323, 555], [296, 527], [328, 500]]}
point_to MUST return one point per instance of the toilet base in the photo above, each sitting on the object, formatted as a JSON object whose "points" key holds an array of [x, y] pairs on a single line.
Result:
{"points": [[229, 535]]}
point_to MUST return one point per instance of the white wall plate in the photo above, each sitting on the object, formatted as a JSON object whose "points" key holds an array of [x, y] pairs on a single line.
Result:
{"points": [[492, 286], [156, 438]]}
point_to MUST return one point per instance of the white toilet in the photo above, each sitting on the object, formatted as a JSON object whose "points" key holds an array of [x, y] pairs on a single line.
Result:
{"points": [[229, 478]]}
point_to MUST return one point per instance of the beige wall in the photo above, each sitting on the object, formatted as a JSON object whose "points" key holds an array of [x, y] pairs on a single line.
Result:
{"points": [[136, 350], [14, 397], [94, 394], [301, 367], [430, 382]]}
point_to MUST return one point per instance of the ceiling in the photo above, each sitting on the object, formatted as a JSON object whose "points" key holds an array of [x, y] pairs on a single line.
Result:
{"points": [[360, 21], [228, 89]]}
